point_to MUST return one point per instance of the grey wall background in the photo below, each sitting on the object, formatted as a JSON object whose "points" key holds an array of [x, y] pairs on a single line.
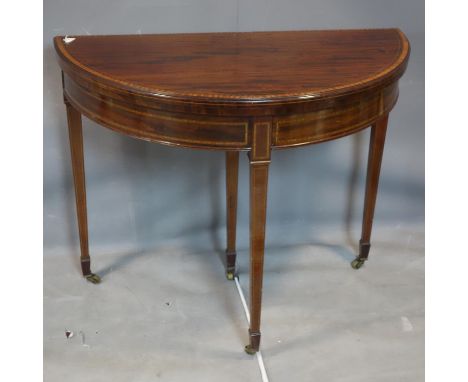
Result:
{"points": [[140, 194]]}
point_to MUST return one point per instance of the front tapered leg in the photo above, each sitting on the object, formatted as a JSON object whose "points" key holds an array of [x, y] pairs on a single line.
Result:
{"points": [[259, 163], [232, 175], [376, 147], [77, 157]]}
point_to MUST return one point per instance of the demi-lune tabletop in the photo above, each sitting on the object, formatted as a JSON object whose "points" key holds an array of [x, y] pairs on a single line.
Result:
{"points": [[241, 67], [250, 91]]}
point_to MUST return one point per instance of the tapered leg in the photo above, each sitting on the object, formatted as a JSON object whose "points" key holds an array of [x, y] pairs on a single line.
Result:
{"points": [[376, 147], [76, 148], [259, 163], [232, 175]]}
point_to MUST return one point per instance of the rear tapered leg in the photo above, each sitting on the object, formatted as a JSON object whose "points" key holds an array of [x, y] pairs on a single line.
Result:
{"points": [[376, 147], [232, 175], [77, 157], [259, 164]]}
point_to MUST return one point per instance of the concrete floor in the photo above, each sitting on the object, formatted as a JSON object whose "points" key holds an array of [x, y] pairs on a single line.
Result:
{"points": [[169, 314]]}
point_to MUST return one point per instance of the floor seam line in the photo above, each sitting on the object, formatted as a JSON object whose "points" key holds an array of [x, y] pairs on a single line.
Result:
{"points": [[261, 364]]}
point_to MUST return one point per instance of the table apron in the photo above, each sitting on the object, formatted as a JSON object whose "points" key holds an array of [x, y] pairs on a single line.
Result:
{"points": [[341, 117], [336, 118]]}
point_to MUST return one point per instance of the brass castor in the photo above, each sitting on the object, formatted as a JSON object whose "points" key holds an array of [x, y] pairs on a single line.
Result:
{"points": [[230, 275], [249, 350], [357, 263], [93, 278]]}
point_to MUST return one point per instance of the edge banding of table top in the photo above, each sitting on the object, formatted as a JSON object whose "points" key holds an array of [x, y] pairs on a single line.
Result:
{"points": [[389, 74]]}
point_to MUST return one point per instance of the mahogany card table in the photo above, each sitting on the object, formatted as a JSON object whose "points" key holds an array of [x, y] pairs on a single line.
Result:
{"points": [[253, 92]]}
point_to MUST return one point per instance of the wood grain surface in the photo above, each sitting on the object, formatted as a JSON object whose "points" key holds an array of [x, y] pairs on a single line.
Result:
{"points": [[260, 66]]}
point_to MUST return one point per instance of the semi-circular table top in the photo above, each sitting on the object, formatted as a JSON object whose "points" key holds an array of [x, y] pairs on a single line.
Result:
{"points": [[203, 89]]}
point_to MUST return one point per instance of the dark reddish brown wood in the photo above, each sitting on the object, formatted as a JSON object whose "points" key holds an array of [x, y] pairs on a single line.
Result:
{"points": [[175, 89], [163, 127], [259, 164], [75, 131], [233, 67], [232, 174], [347, 116], [236, 91], [376, 148], [76, 148]]}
